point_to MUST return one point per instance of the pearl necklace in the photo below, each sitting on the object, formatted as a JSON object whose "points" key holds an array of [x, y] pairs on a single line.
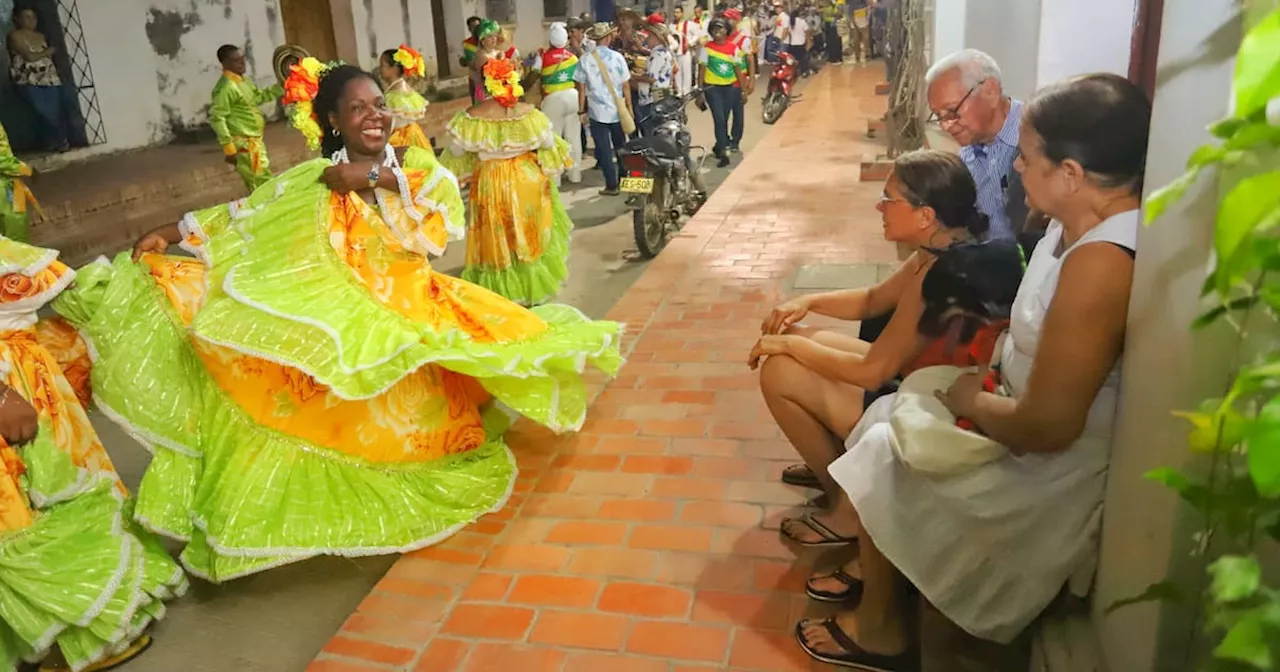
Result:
{"points": [[389, 160]]}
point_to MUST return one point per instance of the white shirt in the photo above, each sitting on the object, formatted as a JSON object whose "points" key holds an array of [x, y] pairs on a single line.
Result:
{"points": [[799, 33], [688, 32], [781, 23]]}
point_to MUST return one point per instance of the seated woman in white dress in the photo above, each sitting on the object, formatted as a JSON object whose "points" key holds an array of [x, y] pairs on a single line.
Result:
{"points": [[991, 546]]}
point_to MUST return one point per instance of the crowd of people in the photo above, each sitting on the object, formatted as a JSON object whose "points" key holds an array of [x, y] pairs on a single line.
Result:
{"points": [[309, 385]]}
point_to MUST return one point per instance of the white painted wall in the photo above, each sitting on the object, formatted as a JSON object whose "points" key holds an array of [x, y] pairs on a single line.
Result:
{"points": [[1083, 36], [1008, 30], [1146, 532], [381, 25], [948, 27], [186, 64], [455, 22], [124, 73]]}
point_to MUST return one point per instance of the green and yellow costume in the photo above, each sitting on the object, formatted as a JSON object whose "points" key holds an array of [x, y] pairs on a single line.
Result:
{"points": [[517, 230], [75, 572], [310, 385], [238, 123], [16, 199]]}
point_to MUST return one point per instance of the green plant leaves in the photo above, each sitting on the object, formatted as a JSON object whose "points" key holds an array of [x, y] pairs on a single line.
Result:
{"points": [[1216, 426], [1235, 578], [1264, 449], [1257, 76], [1251, 207], [1246, 642], [1164, 591], [1160, 200]]}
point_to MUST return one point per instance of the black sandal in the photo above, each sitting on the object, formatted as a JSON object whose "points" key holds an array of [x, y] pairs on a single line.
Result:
{"points": [[853, 656], [800, 475], [828, 537], [851, 596]]}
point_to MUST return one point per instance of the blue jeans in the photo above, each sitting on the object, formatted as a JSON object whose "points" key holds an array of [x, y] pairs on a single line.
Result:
{"points": [[49, 104], [644, 124], [738, 111], [608, 139], [721, 100]]}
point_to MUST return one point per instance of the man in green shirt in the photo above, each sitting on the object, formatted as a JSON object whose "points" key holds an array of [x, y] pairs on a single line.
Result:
{"points": [[236, 119]]}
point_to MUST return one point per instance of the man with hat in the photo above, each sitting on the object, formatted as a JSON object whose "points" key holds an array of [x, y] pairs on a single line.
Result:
{"points": [[659, 74], [604, 93], [556, 67]]}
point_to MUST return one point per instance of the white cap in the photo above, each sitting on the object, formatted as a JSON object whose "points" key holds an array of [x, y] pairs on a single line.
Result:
{"points": [[559, 35]]}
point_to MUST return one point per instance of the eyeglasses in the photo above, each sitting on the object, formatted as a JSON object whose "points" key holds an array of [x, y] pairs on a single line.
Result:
{"points": [[953, 114], [886, 199]]}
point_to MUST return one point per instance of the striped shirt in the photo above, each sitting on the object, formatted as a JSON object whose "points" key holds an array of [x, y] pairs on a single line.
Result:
{"points": [[991, 165]]}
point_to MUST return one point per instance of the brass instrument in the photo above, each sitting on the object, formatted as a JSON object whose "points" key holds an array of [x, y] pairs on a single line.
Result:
{"points": [[285, 57]]}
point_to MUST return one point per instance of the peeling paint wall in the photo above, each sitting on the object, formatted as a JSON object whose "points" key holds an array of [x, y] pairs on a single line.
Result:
{"points": [[124, 71], [184, 36], [386, 24]]}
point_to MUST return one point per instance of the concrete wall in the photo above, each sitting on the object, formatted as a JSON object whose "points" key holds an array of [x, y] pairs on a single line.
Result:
{"points": [[184, 36], [1146, 532], [125, 76], [948, 27], [1081, 36], [1009, 30], [386, 24]]}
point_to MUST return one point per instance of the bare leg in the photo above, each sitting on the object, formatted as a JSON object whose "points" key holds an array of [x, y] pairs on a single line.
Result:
{"points": [[879, 624], [814, 412]]}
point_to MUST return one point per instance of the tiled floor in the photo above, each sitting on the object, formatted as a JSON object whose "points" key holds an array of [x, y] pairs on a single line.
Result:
{"points": [[648, 542]]}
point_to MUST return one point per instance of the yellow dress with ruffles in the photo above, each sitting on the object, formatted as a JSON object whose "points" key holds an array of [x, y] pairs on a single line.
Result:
{"points": [[517, 228], [408, 108]]}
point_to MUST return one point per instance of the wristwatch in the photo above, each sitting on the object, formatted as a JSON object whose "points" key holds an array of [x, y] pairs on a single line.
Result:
{"points": [[373, 176]]}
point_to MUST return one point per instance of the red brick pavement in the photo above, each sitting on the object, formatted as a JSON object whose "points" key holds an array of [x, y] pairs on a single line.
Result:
{"points": [[648, 542]]}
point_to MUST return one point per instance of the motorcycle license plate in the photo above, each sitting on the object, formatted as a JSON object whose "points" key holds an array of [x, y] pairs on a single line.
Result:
{"points": [[637, 185]]}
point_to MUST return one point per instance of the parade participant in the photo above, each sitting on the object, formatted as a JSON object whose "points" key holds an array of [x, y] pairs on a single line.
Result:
{"points": [[689, 34], [722, 84], [406, 106], [604, 100], [740, 35], [307, 383], [471, 44], [557, 66], [236, 119], [517, 228], [491, 38], [81, 582], [16, 200], [656, 81]]}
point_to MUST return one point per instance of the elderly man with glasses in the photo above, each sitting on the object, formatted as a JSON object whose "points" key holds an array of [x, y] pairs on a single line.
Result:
{"points": [[968, 101]]}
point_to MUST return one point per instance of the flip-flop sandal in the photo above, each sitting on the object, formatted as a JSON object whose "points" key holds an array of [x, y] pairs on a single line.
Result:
{"points": [[137, 648], [820, 502], [828, 536], [853, 656], [851, 596], [800, 475]]}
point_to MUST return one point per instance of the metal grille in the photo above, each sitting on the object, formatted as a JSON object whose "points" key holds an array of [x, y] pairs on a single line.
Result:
{"points": [[78, 54]]}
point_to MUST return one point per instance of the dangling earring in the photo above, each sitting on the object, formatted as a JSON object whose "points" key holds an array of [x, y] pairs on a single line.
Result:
{"points": [[335, 132]]}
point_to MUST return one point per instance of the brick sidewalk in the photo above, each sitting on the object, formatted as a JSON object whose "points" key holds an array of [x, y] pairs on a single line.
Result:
{"points": [[648, 542]]}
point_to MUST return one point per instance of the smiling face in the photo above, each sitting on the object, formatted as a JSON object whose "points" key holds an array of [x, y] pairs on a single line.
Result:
{"points": [[362, 118]]}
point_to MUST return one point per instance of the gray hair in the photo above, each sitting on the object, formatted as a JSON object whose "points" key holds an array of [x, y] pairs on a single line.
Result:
{"points": [[975, 67]]}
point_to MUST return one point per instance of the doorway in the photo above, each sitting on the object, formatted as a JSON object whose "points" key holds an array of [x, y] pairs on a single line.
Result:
{"points": [[309, 24], [59, 22], [444, 65], [1145, 47]]}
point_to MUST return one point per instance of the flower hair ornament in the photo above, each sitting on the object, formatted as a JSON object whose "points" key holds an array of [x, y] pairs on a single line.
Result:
{"points": [[411, 61], [502, 81], [300, 90]]}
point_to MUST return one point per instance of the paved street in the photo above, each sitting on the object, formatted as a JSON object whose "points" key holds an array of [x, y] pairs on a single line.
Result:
{"points": [[278, 621]]}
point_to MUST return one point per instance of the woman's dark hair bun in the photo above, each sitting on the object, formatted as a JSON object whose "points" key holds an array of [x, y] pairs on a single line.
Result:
{"points": [[979, 224]]}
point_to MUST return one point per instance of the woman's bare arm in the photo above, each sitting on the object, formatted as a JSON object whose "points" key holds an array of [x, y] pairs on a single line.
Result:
{"points": [[887, 356], [1081, 339], [867, 302]]}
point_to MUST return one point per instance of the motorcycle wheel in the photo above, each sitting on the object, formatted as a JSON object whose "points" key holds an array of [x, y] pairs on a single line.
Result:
{"points": [[650, 221], [774, 105]]}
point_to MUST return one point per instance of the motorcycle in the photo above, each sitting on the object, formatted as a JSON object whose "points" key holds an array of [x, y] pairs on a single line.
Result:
{"points": [[660, 175], [778, 96]]}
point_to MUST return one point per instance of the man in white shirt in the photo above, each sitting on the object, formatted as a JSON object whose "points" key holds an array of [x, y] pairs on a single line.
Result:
{"points": [[600, 90], [797, 41]]}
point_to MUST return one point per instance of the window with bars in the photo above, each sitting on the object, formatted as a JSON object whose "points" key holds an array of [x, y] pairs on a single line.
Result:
{"points": [[555, 9], [81, 71], [502, 11]]}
